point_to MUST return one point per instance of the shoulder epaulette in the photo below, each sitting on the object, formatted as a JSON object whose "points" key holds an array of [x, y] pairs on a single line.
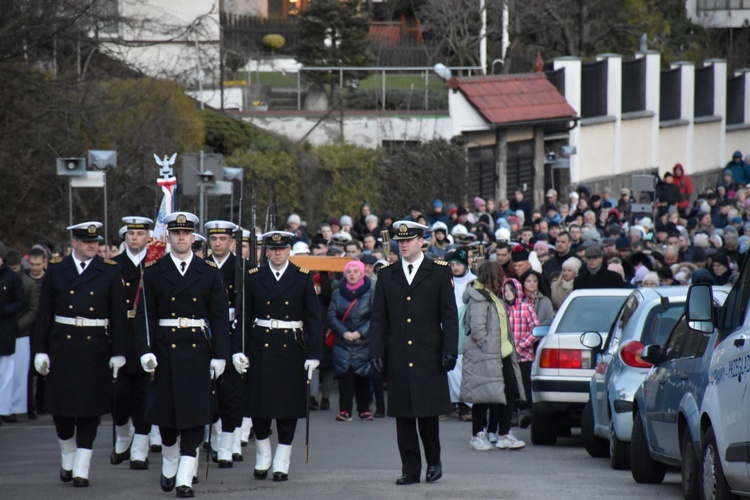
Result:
{"points": [[211, 263], [386, 265], [150, 263], [56, 260], [440, 262], [304, 270], [110, 262], [253, 270]]}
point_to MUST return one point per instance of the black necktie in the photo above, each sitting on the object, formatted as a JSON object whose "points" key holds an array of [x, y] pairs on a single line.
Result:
{"points": [[278, 274], [182, 267], [83, 266], [410, 268]]}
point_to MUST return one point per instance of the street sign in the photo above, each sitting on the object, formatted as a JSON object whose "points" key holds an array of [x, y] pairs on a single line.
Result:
{"points": [[89, 180]]}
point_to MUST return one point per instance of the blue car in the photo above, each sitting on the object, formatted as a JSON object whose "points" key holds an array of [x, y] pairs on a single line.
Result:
{"points": [[666, 409]]}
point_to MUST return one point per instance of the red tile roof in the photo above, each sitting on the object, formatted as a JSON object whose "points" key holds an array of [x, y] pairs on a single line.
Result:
{"points": [[388, 33], [516, 98]]}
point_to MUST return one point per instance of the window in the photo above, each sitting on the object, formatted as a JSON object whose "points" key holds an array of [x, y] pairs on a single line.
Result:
{"points": [[685, 343], [587, 314], [660, 322]]}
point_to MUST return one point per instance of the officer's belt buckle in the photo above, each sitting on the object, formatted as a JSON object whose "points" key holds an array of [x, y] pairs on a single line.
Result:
{"points": [[79, 321], [182, 322], [275, 324]]}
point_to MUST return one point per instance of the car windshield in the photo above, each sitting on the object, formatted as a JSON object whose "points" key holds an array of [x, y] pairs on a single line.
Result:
{"points": [[585, 314], [660, 323]]}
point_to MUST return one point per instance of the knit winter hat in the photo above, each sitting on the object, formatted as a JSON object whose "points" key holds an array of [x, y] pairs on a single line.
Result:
{"points": [[573, 264], [479, 202], [652, 277]]}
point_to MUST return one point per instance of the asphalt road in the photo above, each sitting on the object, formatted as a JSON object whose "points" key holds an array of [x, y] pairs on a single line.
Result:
{"points": [[347, 460]]}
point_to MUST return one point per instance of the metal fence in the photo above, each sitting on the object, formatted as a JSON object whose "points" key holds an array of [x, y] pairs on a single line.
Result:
{"points": [[704, 91], [669, 94], [594, 89], [557, 78], [736, 100], [634, 85]]}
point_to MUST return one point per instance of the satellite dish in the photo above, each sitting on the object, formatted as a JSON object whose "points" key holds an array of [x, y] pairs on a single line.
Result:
{"points": [[102, 160]]}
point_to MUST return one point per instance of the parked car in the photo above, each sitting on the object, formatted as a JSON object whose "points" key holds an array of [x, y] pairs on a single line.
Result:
{"points": [[724, 457], [647, 317], [666, 407], [562, 367]]}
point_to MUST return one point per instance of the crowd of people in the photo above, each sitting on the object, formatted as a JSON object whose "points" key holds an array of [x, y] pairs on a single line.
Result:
{"points": [[512, 266]]}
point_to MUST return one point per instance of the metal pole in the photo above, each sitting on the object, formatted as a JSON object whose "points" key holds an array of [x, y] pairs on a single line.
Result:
{"points": [[426, 89], [202, 192], [106, 233], [483, 37], [299, 90], [383, 90], [231, 204], [70, 201]]}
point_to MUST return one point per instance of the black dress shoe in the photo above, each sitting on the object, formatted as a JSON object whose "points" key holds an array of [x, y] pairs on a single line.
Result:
{"points": [[313, 404], [32, 415], [237, 457], [11, 419], [407, 479], [325, 404], [185, 492], [260, 474], [215, 456], [66, 476], [155, 448], [167, 483], [80, 482], [434, 472], [196, 480], [225, 464], [139, 464], [118, 458], [280, 476], [243, 444]]}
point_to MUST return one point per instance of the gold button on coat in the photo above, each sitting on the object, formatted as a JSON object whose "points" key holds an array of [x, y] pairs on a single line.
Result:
{"points": [[411, 364], [408, 320], [408, 299], [174, 346]]}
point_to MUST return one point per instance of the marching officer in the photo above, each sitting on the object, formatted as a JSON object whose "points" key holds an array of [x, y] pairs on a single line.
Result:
{"points": [[182, 336], [414, 342], [131, 386], [78, 337], [220, 239], [283, 344]]}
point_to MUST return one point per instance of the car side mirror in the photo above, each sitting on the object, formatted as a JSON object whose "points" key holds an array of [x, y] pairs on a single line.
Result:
{"points": [[651, 353], [592, 340], [699, 308], [540, 331]]}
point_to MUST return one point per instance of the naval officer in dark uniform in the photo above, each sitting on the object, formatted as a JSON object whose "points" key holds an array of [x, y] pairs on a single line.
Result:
{"points": [[131, 428], [414, 342], [79, 338], [282, 348], [182, 336], [220, 240]]}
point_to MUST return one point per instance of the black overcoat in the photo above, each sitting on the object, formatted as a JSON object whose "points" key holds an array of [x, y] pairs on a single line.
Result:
{"points": [[179, 396], [12, 301], [412, 328], [276, 382], [131, 278], [80, 381]]}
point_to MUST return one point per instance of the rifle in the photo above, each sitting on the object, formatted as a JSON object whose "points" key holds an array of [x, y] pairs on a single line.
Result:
{"points": [[386, 244], [239, 278], [253, 237]]}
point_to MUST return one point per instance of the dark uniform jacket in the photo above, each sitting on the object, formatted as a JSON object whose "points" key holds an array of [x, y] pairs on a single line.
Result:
{"points": [[131, 277], [179, 396], [12, 301], [276, 382], [80, 381], [227, 273], [412, 328]]}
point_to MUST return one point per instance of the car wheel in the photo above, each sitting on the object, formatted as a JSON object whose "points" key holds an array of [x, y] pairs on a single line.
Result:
{"points": [[644, 468], [689, 468], [595, 446], [619, 451], [714, 485], [543, 430]]}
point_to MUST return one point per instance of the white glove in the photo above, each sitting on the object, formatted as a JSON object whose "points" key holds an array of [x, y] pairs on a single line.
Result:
{"points": [[41, 364], [310, 366], [116, 362], [232, 316], [148, 362], [240, 362], [217, 367]]}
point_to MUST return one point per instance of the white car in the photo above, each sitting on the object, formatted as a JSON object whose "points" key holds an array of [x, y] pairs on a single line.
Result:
{"points": [[562, 369]]}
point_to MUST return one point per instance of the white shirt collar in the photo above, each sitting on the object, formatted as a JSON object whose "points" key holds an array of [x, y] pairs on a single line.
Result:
{"points": [[78, 263], [280, 271], [136, 259], [415, 268], [178, 261], [219, 264]]}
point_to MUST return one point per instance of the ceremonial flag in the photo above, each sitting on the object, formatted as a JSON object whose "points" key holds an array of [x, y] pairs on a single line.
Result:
{"points": [[168, 183]]}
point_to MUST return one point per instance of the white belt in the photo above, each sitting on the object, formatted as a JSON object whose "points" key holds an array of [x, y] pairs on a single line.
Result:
{"points": [[183, 323], [276, 324], [79, 321]]}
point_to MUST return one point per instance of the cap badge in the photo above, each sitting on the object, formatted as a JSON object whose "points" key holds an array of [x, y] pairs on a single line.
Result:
{"points": [[91, 229], [276, 237], [403, 229], [181, 219]]}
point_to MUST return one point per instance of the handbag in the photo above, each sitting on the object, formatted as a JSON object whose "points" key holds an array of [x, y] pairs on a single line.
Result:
{"points": [[330, 338]]}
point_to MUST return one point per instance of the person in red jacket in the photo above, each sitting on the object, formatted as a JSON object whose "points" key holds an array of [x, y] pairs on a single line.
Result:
{"points": [[685, 184]]}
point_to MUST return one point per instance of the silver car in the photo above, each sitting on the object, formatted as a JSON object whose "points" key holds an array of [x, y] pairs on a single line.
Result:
{"points": [[647, 317]]}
